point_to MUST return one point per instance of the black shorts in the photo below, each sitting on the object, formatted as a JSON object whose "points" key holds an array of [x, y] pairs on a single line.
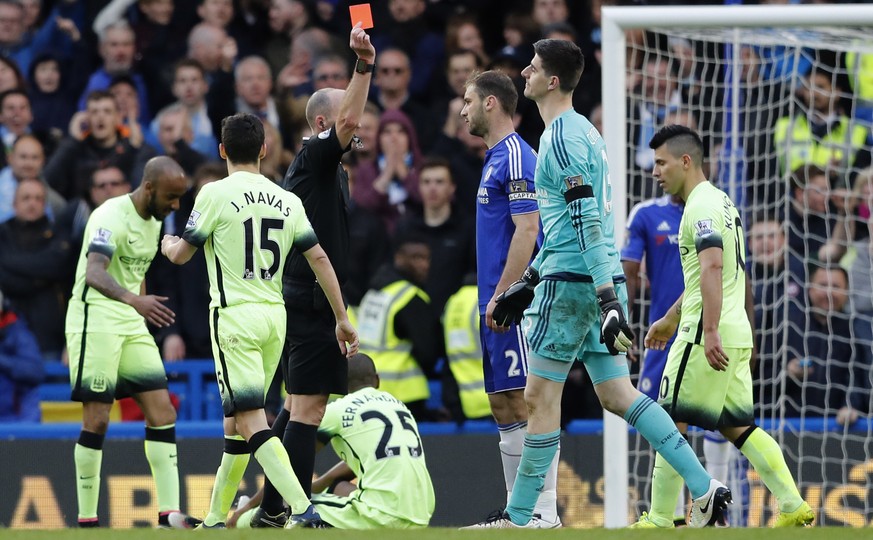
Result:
{"points": [[312, 362]]}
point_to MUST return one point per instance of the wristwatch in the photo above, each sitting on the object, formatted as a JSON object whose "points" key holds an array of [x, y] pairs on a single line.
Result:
{"points": [[361, 66]]}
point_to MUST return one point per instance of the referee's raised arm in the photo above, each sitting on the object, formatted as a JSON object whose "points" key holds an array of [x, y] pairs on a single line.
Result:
{"points": [[352, 106]]}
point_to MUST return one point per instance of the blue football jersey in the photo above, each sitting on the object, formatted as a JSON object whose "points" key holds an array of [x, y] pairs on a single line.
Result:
{"points": [[653, 233], [506, 189]]}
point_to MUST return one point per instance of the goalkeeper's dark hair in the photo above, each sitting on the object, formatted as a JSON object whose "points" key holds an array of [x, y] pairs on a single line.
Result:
{"points": [[498, 84], [242, 136], [561, 59], [680, 140]]}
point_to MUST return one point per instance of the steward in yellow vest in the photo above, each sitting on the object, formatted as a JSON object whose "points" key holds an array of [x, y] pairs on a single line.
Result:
{"points": [[464, 350], [398, 329]]}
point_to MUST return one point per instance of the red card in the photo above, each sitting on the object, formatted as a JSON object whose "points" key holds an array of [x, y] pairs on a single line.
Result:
{"points": [[361, 14]]}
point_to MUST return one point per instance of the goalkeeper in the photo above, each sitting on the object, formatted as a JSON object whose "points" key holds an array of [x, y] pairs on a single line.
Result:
{"points": [[379, 441], [578, 292]]}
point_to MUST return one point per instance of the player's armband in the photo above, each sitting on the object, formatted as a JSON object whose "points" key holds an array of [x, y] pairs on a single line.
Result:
{"points": [[578, 192]]}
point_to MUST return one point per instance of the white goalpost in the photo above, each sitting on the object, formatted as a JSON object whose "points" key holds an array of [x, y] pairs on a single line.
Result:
{"points": [[748, 67]]}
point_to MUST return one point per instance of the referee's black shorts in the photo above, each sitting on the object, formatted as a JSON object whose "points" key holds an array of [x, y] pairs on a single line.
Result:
{"points": [[312, 362]]}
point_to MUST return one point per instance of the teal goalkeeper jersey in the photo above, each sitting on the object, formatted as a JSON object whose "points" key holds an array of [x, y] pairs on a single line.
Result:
{"points": [[377, 437], [711, 220], [572, 153]]}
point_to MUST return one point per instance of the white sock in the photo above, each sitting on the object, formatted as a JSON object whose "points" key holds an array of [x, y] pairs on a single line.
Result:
{"points": [[547, 504], [511, 444], [717, 454]]}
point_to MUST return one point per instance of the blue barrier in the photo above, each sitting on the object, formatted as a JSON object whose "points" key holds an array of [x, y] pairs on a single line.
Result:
{"points": [[193, 381], [214, 428]]}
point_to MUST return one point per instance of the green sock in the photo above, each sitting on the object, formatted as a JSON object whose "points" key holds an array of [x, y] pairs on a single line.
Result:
{"points": [[666, 489], [274, 460], [88, 458], [233, 465], [766, 457], [160, 450]]}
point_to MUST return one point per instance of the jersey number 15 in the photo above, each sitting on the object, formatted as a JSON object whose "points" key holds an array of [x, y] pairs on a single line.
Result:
{"points": [[266, 244]]}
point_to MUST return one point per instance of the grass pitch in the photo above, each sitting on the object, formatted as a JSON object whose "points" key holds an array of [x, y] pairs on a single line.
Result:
{"points": [[449, 534]]}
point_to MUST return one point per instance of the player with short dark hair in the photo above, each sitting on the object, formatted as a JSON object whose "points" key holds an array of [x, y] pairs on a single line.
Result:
{"points": [[577, 297], [707, 381], [378, 441], [507, 229], [112, 355], [247, 226], [312, 365]]}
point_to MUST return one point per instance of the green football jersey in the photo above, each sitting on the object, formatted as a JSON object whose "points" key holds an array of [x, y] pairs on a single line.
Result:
{"points": [[116, 230], [711, 220], [376, 435], [247, 225]]}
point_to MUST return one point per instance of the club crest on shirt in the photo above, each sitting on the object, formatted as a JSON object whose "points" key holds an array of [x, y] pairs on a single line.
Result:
{"points": [[192, 219], [102, 236], [704, 227], [573, 181], [324, 134]]}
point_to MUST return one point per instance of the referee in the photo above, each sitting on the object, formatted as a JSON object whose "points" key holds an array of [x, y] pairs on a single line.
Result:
{"points": [[313, 367]]}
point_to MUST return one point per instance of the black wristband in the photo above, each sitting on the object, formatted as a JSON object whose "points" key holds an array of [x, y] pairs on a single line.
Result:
{"points": [[362, 67], [606, 296]]}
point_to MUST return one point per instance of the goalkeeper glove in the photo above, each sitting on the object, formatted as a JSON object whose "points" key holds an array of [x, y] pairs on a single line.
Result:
{"points": [[614, 330], [513, 301]]}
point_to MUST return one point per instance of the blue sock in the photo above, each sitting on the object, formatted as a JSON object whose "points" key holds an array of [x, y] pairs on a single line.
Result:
{"points": [[536, 457], [653, 422]]}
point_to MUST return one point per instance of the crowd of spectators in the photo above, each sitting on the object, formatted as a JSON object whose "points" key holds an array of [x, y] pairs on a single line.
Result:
{"points": [[91, 89]]}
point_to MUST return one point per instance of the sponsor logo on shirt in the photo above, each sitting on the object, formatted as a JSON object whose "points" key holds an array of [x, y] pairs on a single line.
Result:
{"points": [[483, 195], [673, 239], [664, 226]]}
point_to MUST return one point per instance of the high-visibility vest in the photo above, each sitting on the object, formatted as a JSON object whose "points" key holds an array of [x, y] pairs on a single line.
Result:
{"points": [[860, 70], [464, 350], [796, 146], [399, 373]]}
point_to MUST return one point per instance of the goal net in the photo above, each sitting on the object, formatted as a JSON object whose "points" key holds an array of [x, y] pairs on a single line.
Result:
{"points": [[784, 107]]}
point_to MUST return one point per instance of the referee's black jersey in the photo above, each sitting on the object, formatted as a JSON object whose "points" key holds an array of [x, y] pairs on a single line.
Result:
{"points": [[318, 178]]}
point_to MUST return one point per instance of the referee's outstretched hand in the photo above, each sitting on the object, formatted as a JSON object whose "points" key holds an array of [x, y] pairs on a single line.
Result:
{"points": [[347, 338], [359, 42]]}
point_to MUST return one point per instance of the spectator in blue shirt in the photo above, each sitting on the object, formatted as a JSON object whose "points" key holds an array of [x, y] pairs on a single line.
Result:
{"points": [[21, 369]]}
